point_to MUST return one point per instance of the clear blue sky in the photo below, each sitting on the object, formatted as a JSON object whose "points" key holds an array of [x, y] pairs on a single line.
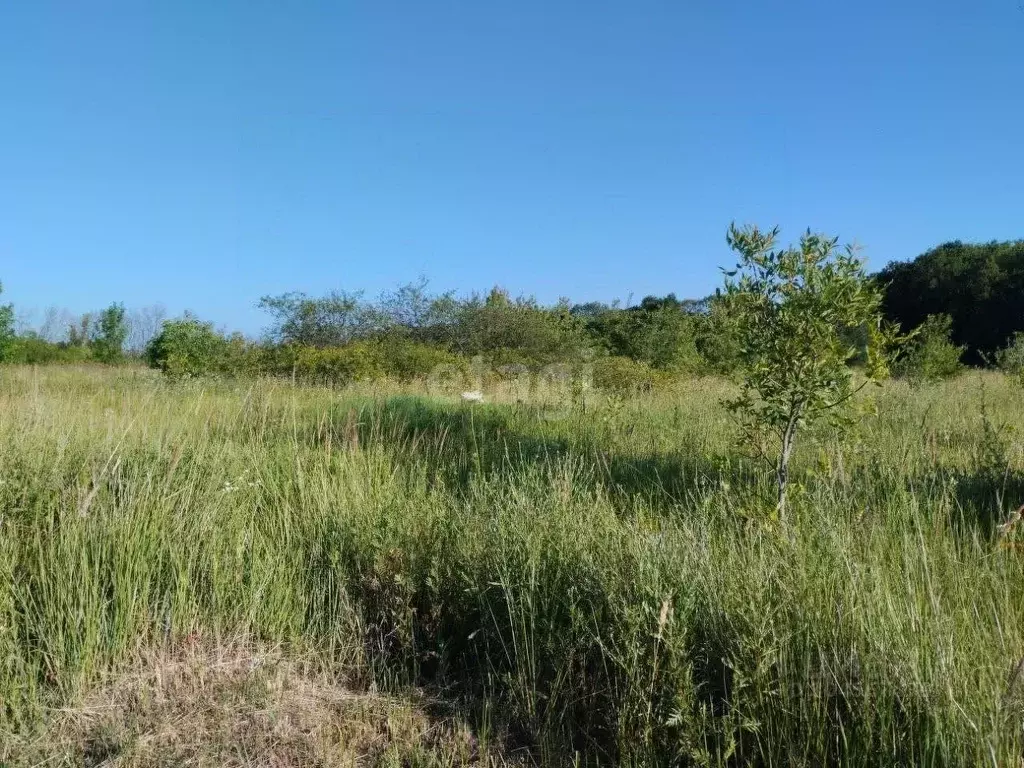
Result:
{"points": [[201, 154]]}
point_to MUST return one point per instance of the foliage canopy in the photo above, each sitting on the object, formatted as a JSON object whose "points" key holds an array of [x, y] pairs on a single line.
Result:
{"points": [[792, 309]]}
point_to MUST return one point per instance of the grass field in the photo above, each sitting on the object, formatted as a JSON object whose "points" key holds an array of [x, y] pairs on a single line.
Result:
{"points": [[256, 574]]}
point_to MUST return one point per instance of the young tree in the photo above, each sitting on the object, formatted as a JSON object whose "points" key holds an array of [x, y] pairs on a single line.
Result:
{"points": [[791, 309], [6, 328], [109, 333], [932, 355], [328, 321]]}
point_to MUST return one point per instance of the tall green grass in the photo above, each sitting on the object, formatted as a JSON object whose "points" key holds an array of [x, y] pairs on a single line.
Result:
{"points": [[603, 585]]}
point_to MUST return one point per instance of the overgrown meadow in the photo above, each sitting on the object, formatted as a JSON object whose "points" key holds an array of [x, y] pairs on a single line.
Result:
{"points": [[602, 583]]}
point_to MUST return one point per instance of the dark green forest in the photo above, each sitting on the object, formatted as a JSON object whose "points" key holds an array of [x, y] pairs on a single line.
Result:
{"points": [[962, 303], [979, 286]]}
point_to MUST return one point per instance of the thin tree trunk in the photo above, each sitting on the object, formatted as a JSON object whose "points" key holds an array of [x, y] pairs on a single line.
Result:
{"points": [[782, 468]]}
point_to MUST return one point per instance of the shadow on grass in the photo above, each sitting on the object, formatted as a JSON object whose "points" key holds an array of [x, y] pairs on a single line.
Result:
{"points": [[460, 630], [461, 442], [985, 500]]}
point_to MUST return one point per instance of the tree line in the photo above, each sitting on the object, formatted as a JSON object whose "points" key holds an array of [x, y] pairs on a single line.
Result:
{"points": [[110, 335], [962, 303], [978, 287]]}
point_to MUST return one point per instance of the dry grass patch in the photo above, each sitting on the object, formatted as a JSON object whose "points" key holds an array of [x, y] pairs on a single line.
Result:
{"points": [[234, 705]]}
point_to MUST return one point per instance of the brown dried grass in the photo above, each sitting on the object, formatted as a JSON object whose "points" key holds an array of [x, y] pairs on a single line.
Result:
{"points": [[236, 704]]}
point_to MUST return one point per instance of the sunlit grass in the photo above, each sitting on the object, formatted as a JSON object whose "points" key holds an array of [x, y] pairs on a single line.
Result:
{"points": [[599, 581]]}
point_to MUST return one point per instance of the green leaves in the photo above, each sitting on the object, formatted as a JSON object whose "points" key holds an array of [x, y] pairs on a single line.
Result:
{"points": [[188, 347], [931, 354], [803, 315], [109, 334], [6, 328]]}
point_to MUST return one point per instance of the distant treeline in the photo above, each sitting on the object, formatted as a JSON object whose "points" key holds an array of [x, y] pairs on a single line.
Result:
{"points": [[410, 333], [110, 335], [966, 300], [979, 286]]}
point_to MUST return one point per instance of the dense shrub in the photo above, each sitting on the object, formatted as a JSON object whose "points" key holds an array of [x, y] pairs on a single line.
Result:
{"points": [[389, 357], [31, 349], [507, 361], [621, 375], [717, 340], [1011, 357], [403, 359], [539, 335], [661, 332], [336, 366], [931, 354], [190, 347]]}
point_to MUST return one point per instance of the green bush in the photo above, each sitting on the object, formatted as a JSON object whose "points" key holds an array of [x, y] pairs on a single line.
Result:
{"points": [[189, 347], [404, 360], [507, 361], [1011, 358], [336, 366], [717, 340], [32, 349], [932, 355], [541, 335], [622, 375], [660, 332]]}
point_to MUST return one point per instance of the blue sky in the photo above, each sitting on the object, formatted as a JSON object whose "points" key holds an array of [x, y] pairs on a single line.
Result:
{"points": [[201, 154]]}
